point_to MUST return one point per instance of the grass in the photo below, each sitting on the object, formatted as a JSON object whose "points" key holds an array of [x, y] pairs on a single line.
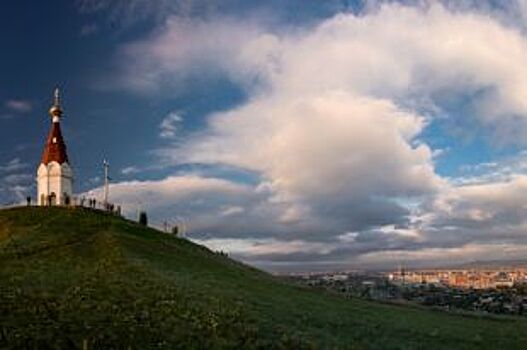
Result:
{"points": [[69, 276]]}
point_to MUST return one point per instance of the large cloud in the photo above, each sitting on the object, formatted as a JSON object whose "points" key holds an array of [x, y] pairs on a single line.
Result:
{"points": [[411, 55], [332, 126], [337, 157]]}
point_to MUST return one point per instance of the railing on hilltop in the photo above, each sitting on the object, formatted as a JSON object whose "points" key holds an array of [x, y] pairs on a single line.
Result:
{"points": [[83, 202]]}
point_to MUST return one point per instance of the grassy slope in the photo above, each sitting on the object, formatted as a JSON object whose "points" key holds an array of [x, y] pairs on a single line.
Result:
{"points": [[72, 275]]}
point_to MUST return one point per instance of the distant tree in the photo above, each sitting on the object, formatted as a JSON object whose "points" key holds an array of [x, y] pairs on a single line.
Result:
{"points": [[143, 218], [175, 230]]}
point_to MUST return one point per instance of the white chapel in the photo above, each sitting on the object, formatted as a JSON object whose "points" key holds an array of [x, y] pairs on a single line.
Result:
{"points": [[54, 175]]}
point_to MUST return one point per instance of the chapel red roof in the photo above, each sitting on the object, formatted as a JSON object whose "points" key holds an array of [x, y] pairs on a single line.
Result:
{"points": [[55, 149]]}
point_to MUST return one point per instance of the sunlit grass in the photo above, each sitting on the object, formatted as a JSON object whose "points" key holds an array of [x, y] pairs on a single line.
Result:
{"points": [[72, 276]]}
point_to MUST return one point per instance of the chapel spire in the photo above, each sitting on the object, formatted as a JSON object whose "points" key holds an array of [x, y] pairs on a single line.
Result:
{"points": [[55, 148], [56, 111]]}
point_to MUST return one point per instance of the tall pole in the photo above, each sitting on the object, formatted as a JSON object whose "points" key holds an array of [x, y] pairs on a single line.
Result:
{"points": [[106, 182]]}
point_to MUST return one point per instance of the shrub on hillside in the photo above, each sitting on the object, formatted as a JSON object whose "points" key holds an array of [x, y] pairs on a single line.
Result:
{"points": [[143, 218]]}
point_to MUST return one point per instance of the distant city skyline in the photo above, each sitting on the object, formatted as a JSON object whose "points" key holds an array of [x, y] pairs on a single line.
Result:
{"points": [[294, 135]]}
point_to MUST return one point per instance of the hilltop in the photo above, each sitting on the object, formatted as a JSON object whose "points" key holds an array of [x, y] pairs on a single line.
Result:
{"points": [[74, 276]]}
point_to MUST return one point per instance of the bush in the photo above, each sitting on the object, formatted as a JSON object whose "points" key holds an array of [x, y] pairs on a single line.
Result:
{"points": [[143, 219]]}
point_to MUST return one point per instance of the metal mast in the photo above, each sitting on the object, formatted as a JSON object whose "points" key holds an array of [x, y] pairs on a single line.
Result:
{"points": [[106, 166]]}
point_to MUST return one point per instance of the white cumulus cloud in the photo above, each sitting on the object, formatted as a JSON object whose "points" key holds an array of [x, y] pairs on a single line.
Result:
{"points": [[332, 127]]}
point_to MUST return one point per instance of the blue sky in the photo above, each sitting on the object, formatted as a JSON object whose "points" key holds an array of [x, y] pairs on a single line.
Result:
{"points": [[293, 134]]}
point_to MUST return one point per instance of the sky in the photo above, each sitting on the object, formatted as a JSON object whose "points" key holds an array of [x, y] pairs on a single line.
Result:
{"points": [[296, 135]]}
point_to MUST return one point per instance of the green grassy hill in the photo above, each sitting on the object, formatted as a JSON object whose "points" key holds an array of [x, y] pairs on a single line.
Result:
{"points": [[69, 277]]}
